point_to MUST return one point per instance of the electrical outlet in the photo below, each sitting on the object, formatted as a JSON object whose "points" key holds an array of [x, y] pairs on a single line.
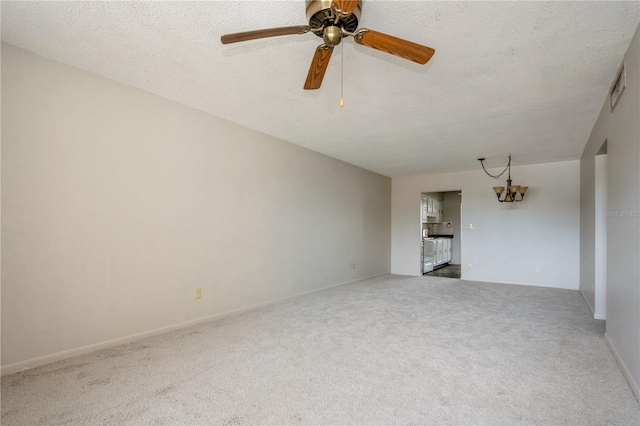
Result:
{"points": [[354, 266], [538, 268], [198, 293], [469, 267], [471, 226]]}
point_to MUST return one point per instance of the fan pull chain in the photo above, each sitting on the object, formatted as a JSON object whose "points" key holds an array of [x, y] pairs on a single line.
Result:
{"points": [[342, 76]]}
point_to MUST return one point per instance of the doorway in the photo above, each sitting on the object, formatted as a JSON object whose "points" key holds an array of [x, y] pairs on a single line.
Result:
{"points": [[441, 234], [599, 286]]}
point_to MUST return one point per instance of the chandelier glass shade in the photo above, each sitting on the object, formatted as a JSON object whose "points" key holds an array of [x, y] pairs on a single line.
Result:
{"points": [[511, 192]]}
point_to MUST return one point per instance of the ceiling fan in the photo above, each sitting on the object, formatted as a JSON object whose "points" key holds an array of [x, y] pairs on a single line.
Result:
{"points": [[333, 20]]}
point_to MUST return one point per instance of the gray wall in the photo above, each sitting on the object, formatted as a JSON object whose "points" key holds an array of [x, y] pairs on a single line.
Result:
{"points": [[621, 130], [117, 204]]}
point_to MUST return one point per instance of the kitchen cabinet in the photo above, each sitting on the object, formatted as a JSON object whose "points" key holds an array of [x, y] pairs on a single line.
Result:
{"points": [[446, 256], [425, 208], [437, 210], [439, 248], [432, 208], [436, 252], [445, 250]]}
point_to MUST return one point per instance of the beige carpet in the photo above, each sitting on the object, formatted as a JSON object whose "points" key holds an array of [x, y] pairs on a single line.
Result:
{"points": [[390, 350]]}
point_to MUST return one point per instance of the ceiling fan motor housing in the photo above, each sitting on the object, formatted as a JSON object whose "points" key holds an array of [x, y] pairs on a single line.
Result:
{"points": [[332, 36], [320, 14]]}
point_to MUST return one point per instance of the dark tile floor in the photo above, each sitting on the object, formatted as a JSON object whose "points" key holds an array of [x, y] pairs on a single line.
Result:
{"points": [[449, 271]]}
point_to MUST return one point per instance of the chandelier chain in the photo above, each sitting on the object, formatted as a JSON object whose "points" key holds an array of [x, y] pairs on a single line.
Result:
{"points": [[496, 177]]}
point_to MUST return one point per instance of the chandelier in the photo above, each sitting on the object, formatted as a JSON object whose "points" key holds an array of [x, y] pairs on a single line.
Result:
{"points": [[512, 190]]}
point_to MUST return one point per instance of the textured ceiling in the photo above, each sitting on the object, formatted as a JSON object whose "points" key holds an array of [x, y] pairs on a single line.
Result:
{"points": [[522, 77]]}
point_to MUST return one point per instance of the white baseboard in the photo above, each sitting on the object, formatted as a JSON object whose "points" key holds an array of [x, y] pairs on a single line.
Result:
{"points": [[593, 312], [519, 283], [625, 370], [58, 356], [584, 296]]}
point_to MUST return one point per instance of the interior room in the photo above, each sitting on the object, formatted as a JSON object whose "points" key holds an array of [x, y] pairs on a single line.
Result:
{"points": [[320, 212], [440, 230]]}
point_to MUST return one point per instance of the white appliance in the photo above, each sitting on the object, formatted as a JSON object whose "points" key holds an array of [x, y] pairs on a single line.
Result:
{"points": [[429, 248]]}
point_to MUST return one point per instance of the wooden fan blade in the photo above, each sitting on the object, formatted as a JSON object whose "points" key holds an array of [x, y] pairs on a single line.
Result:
{"points": [[318, 67], [345, 6], [394, 45], [270, 32]]}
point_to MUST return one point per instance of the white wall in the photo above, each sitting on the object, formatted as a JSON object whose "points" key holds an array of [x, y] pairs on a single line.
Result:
{"points": [[117, 204], [600, 288], [623, 233], [588, 210], [621, 130], [507, 241]]}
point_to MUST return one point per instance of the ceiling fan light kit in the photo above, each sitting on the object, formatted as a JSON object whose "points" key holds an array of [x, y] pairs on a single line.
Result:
{"points": [[512, 190], [333, 20]]}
